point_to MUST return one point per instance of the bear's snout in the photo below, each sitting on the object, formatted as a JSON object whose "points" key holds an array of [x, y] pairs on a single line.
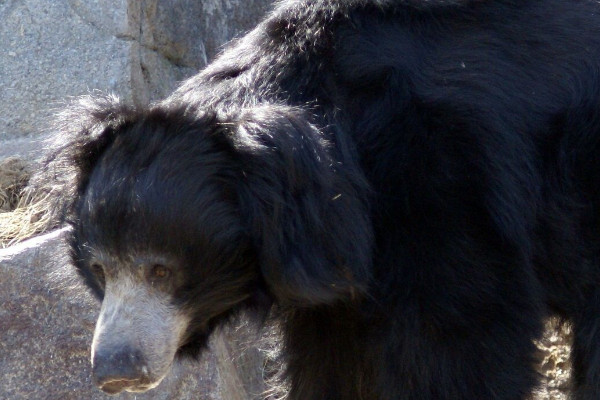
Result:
{"points": [[115, 370], [124, 359]]}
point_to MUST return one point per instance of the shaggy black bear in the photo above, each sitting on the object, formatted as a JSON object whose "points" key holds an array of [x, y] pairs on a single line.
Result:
{"points": [[412, 185]]}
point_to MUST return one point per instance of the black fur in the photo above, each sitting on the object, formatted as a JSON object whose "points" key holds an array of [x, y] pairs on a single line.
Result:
{"points": [[413, 184]]}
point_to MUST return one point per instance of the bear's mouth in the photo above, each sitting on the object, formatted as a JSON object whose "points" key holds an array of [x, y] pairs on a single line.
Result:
{"points": [[117, 386]]}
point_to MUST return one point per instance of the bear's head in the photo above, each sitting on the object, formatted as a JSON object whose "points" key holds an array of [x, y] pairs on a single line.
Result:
{"points": [[180, 218]]}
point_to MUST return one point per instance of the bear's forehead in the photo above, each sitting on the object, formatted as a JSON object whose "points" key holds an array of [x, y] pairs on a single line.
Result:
{"points": [[133, 214], [145, 203]]}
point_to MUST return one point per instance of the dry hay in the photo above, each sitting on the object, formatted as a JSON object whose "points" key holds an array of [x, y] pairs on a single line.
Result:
{"points": [[22, 223], [14, 175], [19, 217]]}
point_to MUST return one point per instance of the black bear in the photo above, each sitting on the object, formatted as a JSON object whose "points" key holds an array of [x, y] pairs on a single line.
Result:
{"points": [[412, 185]]}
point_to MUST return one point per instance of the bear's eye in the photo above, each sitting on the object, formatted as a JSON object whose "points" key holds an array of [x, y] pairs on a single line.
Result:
{"points": [[160, 271]]}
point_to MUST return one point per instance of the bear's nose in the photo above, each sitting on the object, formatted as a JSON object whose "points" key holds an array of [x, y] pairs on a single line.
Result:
{"points": [[116, 370]]}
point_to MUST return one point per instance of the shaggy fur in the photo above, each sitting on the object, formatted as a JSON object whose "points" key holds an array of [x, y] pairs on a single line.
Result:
{"points": [[414, 184]]}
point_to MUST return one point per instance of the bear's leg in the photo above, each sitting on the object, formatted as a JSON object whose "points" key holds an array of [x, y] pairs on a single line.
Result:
{"points": [[335, 354], [324, 349], [585, 352], [486, 361]]}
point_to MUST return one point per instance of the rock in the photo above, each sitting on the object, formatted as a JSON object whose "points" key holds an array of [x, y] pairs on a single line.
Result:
{"points": [[53, 51], [25, 148], [137, 49], [46, 326], [174, 39]]}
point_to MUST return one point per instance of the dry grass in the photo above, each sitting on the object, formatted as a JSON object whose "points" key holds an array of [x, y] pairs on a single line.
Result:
{"points": [[22, 223], [20, 216], [14, 175]]}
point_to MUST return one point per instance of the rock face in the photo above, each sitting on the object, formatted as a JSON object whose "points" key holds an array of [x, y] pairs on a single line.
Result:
{"points": [[46, 326], [138, 49], [173, 39], [52, 51]]}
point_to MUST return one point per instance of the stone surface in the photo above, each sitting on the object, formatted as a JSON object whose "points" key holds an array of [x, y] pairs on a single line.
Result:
{"points": [[138, 49], [46, 325], [51, 51], [174, 39], [25, 148]]}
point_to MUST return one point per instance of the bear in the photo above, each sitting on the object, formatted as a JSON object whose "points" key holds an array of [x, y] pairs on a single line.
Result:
{"points": [[410, 187]]}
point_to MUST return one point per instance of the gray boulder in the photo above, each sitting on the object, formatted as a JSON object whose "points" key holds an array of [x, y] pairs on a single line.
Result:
{"points": [[137, 49]]}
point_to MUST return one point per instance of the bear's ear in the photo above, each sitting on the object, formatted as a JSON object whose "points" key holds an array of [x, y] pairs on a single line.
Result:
{"points": [[80, 134], [306, 207]]}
